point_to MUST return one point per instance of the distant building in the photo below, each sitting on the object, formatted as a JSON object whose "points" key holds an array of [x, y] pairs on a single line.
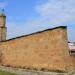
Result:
{"points": [[72, 48]]}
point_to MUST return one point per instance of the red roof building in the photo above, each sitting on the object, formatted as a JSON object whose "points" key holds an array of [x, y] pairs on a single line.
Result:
{"points": [[72, 47]]}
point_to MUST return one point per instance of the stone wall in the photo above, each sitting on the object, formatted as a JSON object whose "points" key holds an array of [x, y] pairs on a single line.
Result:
{"points": [[44, 50]]}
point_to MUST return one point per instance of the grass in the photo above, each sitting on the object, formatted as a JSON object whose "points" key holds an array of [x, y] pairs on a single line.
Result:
{"points": [[6, 73]]}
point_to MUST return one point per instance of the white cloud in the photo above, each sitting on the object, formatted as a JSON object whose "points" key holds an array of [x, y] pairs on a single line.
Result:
{"points": [[57, 11]]}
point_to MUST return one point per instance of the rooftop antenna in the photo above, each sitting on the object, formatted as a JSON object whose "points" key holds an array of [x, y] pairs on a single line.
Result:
{"points": [[2, 11]]}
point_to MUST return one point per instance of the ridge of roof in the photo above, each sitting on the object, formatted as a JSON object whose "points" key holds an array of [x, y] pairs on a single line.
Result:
{"points": [[35, 33]]}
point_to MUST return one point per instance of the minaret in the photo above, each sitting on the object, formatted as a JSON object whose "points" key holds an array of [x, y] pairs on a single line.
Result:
{"points": [[2, 27]]}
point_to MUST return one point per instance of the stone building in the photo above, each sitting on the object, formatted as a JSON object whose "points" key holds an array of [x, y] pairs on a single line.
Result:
{"points": [[47, 49]]}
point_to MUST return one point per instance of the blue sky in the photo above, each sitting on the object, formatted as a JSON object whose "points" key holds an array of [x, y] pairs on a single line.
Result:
{"points": [[28, 16]]}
